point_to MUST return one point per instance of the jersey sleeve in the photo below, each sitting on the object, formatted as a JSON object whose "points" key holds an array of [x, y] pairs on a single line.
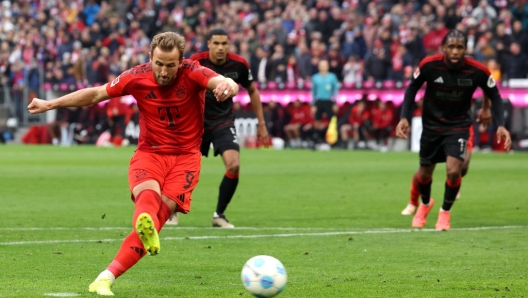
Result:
{"points": [[489, 87], [417, 80], [200, 74], [118, 87], [246, 77]]}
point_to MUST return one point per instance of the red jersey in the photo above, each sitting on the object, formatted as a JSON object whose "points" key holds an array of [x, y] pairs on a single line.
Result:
{"points": [[171, 118], [358, 117], [301, 115], [382, 119]]}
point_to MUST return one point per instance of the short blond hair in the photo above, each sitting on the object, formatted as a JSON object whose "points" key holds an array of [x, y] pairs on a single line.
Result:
{"points": [[167, 41]]}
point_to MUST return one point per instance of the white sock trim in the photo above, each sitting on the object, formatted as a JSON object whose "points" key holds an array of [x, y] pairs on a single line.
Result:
{"points": [[107, 274]]}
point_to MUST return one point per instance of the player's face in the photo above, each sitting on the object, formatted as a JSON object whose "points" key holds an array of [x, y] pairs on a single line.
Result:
{"points": [[218, 47], [454, 49], [165, 65]]}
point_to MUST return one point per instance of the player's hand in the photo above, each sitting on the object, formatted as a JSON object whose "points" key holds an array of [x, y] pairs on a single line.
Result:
{"points": [[223, 91], [262, 134], [402, 130], [503, 134], [484, 117], [37, 106]]}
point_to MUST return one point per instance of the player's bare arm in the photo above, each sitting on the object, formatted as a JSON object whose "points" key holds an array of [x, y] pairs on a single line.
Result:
{"points": [[222, 87], [79, 98], [484, 114], [262, 131]]}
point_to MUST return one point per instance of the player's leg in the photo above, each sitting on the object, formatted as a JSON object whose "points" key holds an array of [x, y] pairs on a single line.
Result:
{"points": [[296, 134], [465, 165], [456, 150], [225, 143], [431, 152], [149, 211], [414, 197]]}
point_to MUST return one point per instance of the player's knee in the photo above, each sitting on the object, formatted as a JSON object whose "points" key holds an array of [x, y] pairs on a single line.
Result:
{"points": [[453, 175], [233, 167]]}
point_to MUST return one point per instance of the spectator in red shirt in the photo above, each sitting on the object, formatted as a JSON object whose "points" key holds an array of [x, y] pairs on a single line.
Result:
{"points": [[382, 118], [301, 122], [356, 124]]}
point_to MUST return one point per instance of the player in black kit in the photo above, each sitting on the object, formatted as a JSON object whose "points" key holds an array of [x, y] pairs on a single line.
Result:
{"points": [[219, 127], [451, 80]]}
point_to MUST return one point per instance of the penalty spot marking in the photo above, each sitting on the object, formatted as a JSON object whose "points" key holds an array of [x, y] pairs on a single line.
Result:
{"points": [[62, 294], [372, 231]]}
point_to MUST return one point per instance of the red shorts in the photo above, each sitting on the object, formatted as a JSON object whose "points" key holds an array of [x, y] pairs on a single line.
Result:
{"points": [[470, 139], [177, 175]]}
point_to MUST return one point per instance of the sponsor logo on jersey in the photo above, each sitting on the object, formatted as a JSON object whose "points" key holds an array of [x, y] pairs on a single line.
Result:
{"points": [[231, 75], [439, 80], [453, 95], [465, 82]]}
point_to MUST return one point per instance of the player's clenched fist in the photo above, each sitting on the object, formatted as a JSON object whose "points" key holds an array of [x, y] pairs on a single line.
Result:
{"points": [[37, 106]]}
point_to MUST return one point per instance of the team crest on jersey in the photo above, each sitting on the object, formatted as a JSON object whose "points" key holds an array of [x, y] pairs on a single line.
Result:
{"points": [[114, 82], [180, 91], [491, 82], [416, 72]]}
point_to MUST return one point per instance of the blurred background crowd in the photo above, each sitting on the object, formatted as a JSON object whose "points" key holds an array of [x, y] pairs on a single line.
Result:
{"points": [[88, 42]]}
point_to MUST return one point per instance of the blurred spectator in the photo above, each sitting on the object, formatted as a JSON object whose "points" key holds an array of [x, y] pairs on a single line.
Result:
{"points": [[301, 123], [382, 118], [517, 63], [356, 125], [82, 42]]}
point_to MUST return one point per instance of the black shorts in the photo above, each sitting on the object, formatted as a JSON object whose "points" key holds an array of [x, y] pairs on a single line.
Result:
{"points": [[324, 107], [435, 148], [223, 138]]}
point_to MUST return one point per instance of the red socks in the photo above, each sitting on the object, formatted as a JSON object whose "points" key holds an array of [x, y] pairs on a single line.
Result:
{"points": [[132, 250], [415, 192]]}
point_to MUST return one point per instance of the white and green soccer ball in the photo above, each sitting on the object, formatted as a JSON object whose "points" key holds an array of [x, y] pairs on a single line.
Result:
{"points": [[264, 276]]}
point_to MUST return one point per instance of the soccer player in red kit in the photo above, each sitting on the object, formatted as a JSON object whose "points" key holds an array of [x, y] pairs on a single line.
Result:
{"points": [[166, 165], [451, 80]]}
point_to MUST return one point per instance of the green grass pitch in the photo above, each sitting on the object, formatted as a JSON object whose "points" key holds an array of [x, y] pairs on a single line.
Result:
{"points": [[332, 218]]}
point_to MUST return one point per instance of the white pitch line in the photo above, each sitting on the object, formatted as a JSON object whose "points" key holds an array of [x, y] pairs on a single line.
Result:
{"points": [[167, 227], [375, 231]]}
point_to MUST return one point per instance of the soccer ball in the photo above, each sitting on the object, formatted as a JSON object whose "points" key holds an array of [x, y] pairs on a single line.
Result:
{"points": [[264, 276]]}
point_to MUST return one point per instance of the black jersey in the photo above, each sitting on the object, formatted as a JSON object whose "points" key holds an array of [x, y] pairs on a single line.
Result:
{"points": [[236, 68], [449, 93]]}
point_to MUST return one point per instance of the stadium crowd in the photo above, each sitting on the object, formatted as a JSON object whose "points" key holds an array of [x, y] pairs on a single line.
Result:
{"points": [[89, 42]]}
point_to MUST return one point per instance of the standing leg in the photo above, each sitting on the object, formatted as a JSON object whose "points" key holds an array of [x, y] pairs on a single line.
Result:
{"points": [[452, 186], [228, 187], [424, 178]]}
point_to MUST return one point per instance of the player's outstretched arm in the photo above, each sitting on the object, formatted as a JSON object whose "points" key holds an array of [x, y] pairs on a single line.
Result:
{"points": [[79, 98], [256, 104], [222, 87]]}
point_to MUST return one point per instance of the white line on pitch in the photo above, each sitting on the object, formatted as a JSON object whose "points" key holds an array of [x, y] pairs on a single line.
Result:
{"points": [[375, 231], [167, 227]]}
